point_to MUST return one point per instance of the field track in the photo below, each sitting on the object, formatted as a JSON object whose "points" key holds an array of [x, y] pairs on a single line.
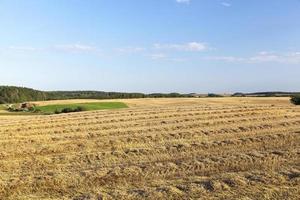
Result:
{"points": [[235, 148]]}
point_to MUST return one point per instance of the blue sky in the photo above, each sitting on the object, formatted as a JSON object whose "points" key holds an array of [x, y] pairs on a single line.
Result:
{"points": [[151, 45]]}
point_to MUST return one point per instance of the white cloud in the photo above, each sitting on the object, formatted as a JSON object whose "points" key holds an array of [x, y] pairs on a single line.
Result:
{"points": [[262, 57], [158, 56], [183, 1], [130, 49], [161, 56], [225, 58], [76, 48], [226, 4], [289, 57], [191, 46], [178, 59], [265, 56]]}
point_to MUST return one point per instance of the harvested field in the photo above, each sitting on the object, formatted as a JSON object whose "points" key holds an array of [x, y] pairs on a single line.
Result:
{"points": [[225, 148]]}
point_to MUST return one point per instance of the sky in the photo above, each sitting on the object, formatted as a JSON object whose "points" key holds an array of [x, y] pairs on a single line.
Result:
{"points": [[217, 46]]}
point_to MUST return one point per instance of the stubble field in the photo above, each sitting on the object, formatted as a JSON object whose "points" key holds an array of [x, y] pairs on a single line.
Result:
{"points": [[219, 148]]}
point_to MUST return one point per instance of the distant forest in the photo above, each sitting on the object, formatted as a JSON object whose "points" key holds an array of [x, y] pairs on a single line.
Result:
{"points": [[12, 94], [266, 94]]}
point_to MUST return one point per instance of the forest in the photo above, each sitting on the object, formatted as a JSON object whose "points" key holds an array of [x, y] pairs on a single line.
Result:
{"points": [[13, 94]]}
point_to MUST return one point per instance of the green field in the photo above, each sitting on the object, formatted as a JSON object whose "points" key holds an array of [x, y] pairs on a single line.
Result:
{"points": [[50, 109], [2, 107]]}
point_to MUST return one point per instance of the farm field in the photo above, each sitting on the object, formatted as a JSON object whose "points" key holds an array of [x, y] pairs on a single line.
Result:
{"points": [[194, 148]]}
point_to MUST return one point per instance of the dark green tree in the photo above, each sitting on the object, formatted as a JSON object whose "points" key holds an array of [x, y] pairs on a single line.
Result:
{"points": [[295, 99]]}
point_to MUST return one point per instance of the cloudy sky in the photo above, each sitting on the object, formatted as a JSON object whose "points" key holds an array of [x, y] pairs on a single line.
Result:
{"points": [[151, 45]]}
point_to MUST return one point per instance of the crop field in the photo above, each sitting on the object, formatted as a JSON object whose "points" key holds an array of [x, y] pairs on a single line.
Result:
{"points": [[217, 148]]}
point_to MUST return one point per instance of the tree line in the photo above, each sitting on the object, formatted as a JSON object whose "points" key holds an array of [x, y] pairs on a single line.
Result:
{"points": [[12, 94]]}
